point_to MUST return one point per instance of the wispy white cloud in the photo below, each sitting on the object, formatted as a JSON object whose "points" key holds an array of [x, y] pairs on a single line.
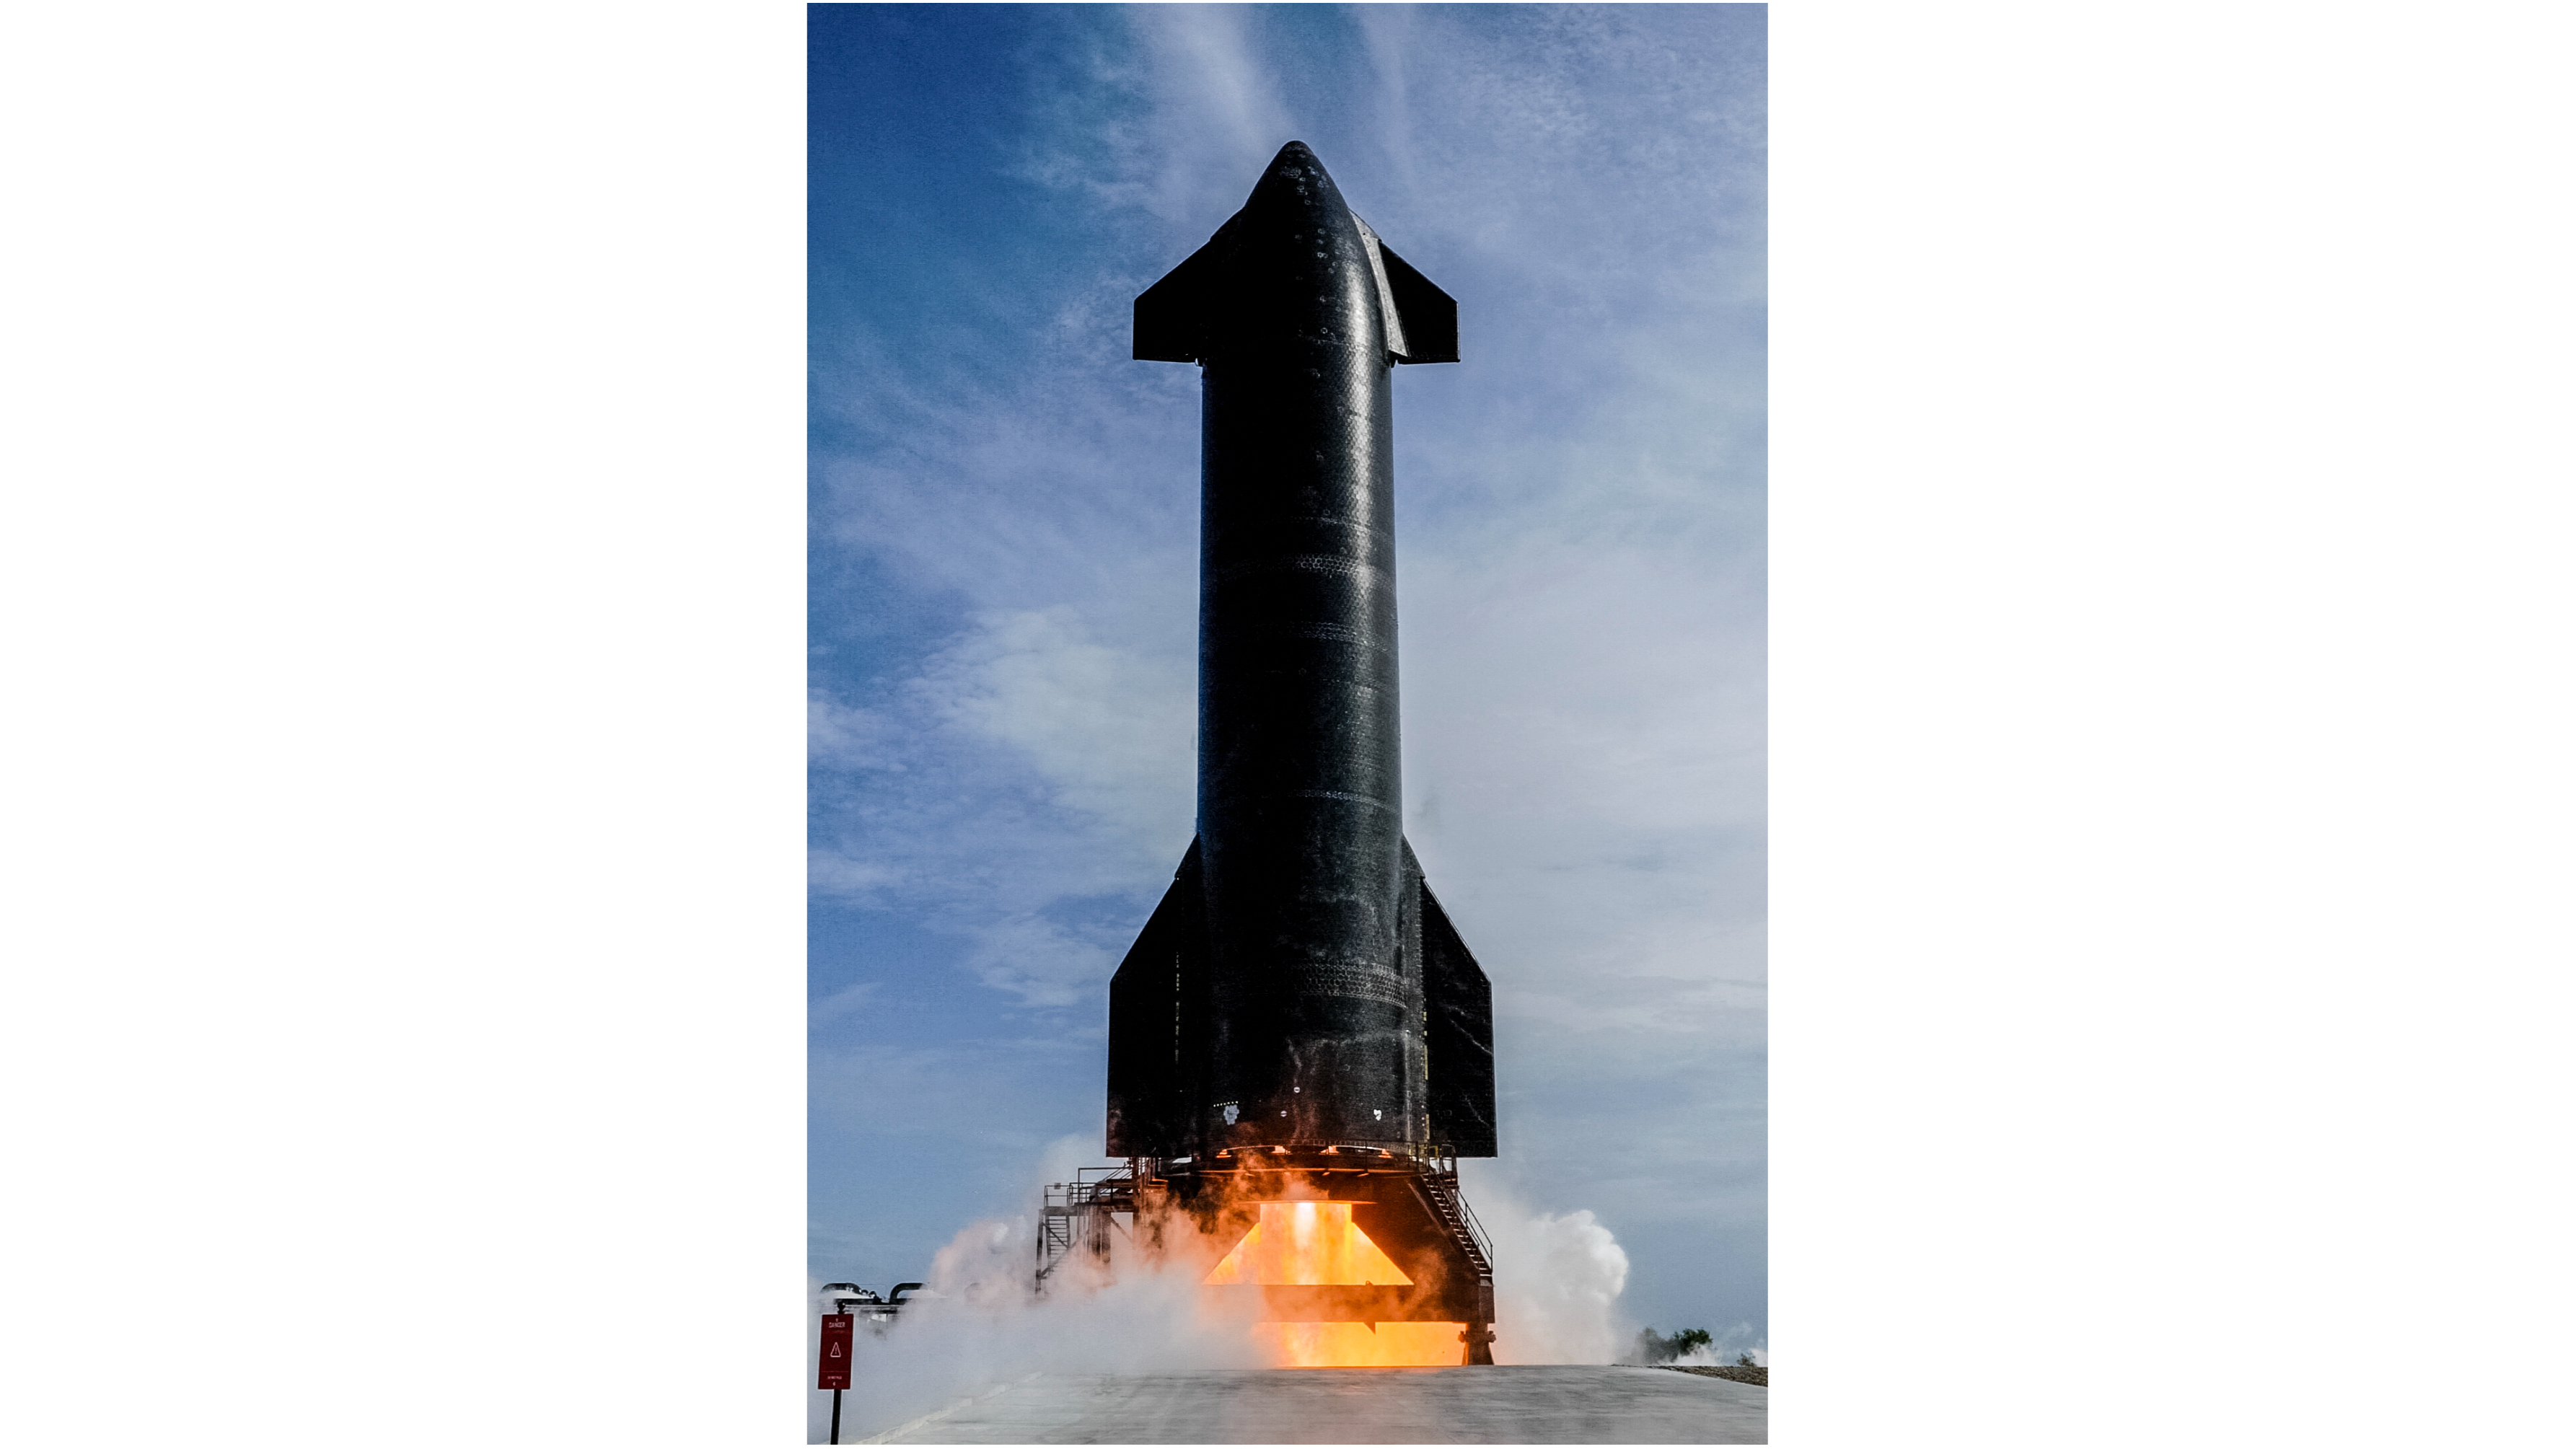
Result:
{"points": [[1112, 731], [1021, 774], [833, 873], [1201, 111], [1214, 99], [1043, 962], [847, 1002], [842, 736]]}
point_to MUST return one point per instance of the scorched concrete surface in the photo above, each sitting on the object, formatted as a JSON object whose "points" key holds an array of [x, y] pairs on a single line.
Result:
{"points": [[1513, 1404]]}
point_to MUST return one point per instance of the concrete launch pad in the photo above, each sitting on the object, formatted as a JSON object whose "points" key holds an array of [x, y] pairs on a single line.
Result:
{"points": [[1512, 1404]]}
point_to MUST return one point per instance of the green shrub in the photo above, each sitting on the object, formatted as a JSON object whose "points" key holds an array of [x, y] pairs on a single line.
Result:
{"points": [[1653, 1347]]}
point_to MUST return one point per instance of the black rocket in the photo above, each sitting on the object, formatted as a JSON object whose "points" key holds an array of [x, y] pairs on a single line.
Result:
{"points": [[1299, 986]]}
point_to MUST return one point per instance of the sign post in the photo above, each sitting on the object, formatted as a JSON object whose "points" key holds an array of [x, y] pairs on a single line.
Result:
{"points": [[832, 1366]]}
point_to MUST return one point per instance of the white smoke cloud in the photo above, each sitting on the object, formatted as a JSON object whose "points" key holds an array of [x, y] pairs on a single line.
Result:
{"points": [[976, 1325], [1557, 1281], [1740, 1340]]}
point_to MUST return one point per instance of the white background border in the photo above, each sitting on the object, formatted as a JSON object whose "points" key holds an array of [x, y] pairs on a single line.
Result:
{"points": [[403, 563]]}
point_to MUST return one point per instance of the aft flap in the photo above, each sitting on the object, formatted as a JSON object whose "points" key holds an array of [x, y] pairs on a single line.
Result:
{"points": [[1458, 1028], [1154, 1010]]}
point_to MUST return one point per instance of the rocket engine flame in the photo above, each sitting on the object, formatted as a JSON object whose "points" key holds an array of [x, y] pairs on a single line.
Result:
{"points": [[1315, 1244], [1307, 1244], [1361, 1345]]}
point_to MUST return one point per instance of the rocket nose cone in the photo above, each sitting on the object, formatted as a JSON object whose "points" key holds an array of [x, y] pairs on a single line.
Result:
{"points": [[1293, 271], [1296, 182]]}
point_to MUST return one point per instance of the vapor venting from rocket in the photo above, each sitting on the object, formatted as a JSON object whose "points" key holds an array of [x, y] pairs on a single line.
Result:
{"points": [[978, 1325], [1557, 1281]]}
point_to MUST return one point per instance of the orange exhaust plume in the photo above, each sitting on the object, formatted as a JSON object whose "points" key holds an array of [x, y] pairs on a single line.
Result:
{"points": [[1307, 1243], [1361, 1345], [1315, 1244]]}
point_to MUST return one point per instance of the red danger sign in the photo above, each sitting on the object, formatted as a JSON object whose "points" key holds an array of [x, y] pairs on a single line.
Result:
{"points": [[832, 1370]]}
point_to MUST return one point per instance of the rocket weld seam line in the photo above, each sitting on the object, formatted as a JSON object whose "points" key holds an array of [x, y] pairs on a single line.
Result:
{"points": [[1324, 634], [1316, 629], [1321, 795], [1322, 563], [1338, 979], [1376, 975], [1357, 523]]}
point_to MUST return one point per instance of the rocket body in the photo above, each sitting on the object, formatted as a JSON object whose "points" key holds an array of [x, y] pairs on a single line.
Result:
{"points": [[1298, 985]]}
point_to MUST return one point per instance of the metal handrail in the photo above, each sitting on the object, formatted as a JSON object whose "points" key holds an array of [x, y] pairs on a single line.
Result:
{"points": [[1475, 1229], [1088, 1197], [1445, 1175]]}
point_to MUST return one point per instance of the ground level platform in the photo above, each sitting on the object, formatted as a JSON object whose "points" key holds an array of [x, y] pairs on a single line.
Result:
{"points": [[1510, 1404]]}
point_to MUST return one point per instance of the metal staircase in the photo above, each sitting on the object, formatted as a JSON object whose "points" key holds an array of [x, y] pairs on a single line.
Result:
{"points": [[1437, 1187], [1449, 1208], [1082, 1214]]}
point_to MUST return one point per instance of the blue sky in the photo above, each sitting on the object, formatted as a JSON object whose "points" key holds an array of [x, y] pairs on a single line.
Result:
{"points": [[1004, 538]]}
